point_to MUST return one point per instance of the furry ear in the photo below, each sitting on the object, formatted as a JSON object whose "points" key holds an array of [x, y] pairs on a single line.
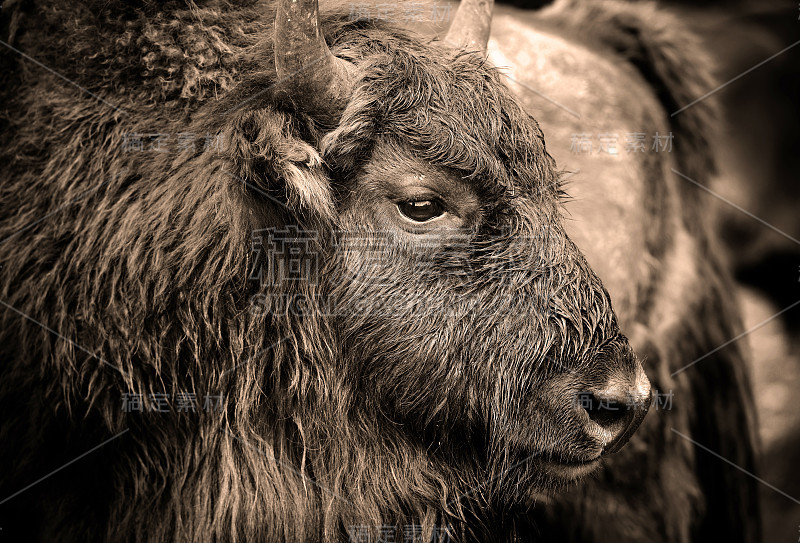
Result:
{"points": [[268, 153]]}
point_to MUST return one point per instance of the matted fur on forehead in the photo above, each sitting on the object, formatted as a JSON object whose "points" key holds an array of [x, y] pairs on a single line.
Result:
{"points": [[447, 106]]}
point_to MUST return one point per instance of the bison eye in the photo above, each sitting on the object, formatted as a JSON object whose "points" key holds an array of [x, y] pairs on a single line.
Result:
{"points": [[420, 210]]}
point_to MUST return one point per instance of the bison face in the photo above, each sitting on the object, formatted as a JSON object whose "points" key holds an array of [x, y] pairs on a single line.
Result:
{"points": [[475, 325]]}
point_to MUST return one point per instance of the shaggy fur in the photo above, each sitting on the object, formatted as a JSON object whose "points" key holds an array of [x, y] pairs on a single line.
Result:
{"points": [[139, 279]]}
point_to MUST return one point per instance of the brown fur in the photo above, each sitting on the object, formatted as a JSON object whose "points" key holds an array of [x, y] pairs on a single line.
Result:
{"points": [[143, 267]]}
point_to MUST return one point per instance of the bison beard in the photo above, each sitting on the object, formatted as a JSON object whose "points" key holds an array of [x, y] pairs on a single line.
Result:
{"points": [[143, 284]]}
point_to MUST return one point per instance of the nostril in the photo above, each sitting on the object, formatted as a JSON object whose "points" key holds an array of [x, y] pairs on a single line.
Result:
{"points": [[615, 416], [609, 413], [616, 408]]}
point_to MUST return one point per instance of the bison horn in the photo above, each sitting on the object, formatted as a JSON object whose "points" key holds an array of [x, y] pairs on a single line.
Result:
{"points": [[315, 80], [471, 25]]}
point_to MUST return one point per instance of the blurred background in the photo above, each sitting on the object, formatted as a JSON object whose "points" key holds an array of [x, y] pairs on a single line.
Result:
{"points": [[759, 185], [760, 158]]}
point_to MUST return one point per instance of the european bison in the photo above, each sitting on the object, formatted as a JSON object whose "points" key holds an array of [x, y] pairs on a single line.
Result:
{"points": [[267, 277]]}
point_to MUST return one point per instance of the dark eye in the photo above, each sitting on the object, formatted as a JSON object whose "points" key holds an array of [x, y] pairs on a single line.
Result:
{"points": [[420, 210]]}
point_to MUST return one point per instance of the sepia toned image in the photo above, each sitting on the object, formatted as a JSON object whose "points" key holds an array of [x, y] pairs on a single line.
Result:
{"points": [[420, 271]]}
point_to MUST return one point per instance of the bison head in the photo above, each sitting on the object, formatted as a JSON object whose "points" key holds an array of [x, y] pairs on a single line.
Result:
{"points": [[468, 343]]}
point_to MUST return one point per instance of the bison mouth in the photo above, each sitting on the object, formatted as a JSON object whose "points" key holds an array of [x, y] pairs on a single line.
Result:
{"points": [[539, 477], [569, 440], [566, 469], [602, 432]]}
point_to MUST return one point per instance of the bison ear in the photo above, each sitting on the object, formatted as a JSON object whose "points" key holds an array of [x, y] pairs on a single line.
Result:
{"points": [[268, 155]]}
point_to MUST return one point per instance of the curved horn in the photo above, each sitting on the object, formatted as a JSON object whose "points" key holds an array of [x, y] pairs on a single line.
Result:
{"points": [[471, 25], [318, 82]]}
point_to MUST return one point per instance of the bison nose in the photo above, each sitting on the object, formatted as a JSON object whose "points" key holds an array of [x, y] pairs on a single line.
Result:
{"points": [[616, 410]]}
